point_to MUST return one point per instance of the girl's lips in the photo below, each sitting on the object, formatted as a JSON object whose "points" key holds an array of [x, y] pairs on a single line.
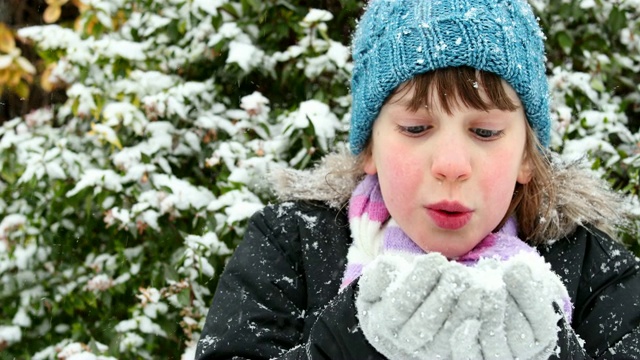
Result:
{"points": [[449, 215]]}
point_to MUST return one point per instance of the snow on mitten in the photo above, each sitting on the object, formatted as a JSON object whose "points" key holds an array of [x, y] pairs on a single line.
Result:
{"points": [[485, 336], [410, 309], [518, 316], [531, 318]]}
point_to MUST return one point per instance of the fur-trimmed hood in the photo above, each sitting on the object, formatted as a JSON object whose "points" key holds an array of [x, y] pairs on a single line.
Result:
{"points": [[581, 198]]}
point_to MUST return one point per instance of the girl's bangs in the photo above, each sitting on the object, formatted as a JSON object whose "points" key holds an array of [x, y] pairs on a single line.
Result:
{"points": [[458, 86]]}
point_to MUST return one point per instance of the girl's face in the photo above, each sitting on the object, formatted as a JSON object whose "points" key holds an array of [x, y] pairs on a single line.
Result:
{"points": [[448, 180]]}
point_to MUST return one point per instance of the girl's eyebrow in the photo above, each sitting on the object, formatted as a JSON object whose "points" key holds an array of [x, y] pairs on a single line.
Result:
{"points": [[409, 103], [401, 100]]}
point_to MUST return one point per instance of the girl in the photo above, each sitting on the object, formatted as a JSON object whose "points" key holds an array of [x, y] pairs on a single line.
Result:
{"points": [[448, 233]]}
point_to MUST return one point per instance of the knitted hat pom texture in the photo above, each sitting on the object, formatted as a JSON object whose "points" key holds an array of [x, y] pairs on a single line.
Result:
{"points": [[396, 40]]}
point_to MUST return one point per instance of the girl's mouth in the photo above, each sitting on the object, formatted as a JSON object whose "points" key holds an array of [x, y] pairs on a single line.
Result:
{"points": [[449, 215]]}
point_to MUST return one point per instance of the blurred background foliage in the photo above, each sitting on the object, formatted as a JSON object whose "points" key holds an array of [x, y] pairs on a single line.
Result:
{"points": [[136, 136]]}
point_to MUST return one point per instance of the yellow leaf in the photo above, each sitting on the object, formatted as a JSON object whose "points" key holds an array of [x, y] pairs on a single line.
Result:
{"points": [[14, 77], [22, 90], [52, 13], [89, 25], [7, 42], [57, 3], [119, 19], [45, 81], [80, 5], [4, 77], [92, 132], [77, 24]]}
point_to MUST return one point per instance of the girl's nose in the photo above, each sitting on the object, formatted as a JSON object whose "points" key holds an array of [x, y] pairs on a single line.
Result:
{"points": [[451, 161]]}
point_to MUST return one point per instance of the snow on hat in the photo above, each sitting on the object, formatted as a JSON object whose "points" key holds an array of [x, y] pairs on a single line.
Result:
{"points": [[398, 39]]}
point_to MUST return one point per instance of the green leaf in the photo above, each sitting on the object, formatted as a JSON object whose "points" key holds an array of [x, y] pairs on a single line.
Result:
{"points": [[184, 297], [146, 159], [597, 84], [230, 9], [565, 41], [617, 20], [170, 272]]}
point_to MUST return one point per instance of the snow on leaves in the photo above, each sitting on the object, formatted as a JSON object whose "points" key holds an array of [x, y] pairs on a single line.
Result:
{"points": [[145, 158]]}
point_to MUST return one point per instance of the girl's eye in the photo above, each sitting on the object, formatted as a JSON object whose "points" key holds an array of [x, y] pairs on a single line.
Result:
{"points": [[413, 130], [486, 134]]}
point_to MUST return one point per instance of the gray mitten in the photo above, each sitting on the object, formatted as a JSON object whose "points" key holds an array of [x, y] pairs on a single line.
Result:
{"points": [[532, 320], [518, 319], [410, 309], [428, 307], [484, 337]]}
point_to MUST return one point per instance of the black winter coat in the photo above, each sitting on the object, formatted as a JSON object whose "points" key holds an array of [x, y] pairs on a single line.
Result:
{"points": [[278, 295]]}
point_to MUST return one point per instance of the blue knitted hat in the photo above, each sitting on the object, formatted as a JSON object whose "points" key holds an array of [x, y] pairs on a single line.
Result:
{"points": [[398, 39]]}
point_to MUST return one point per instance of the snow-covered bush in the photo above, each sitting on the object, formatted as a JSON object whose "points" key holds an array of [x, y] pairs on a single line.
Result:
{"points": [[594, 64], [120, 205]]}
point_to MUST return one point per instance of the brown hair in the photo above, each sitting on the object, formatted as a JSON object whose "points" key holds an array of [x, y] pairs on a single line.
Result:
{"points": [[531, 202]]}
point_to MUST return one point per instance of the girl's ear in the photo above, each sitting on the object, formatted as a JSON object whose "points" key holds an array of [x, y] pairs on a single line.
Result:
{"points": [[525, 173], [369, 165], [365, 159]]}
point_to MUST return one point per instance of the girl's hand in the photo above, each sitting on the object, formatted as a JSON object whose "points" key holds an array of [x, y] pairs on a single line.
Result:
{"points": [[520, 311], [429, 307], [531, 317], [410, 310]]}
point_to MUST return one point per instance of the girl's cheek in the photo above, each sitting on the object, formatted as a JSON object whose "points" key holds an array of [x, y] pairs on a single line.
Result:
{"points": [[397, 159], [401, 170], [499, 175]]}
